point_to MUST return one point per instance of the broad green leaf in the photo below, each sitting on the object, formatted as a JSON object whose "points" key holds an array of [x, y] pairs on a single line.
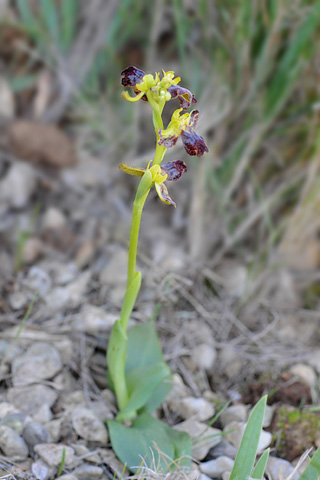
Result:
{"points": [[143, 350], [248, 447], [149, 442], [260, 467], [141, 383], [143, 347], [312, 472]]}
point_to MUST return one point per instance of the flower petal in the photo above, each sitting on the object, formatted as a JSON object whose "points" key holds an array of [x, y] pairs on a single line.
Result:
{"points": [[131, 76], [174, 170], [167, 141], [136, 172], [193, 143], [193, 120], [186, 98], [126, 96], [163, 194]]}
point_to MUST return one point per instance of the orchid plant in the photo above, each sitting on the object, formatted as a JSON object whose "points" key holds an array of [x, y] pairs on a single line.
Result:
{"points": [[137, 371]]}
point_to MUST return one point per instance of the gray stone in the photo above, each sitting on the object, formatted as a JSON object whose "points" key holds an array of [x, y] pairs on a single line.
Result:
{"points": [[198, 408], [215, 468], [52, 454], [93, 320], [67, 477], [53, 219], [16, 421], [83, 452], [12, 444], [86, 471], [238, 413], [29, 399], [70, 295], [7, 409], [18, 300], [18, 185], [204, 356], [40, 362], [203, 437], [305, 373], [43, 414], [224, 448], [234, 432], [41, 471], [279, 468], [35, 433], [38, 280], [88, 426]]}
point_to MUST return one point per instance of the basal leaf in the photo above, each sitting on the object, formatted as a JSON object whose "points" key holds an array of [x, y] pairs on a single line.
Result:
{"points": [[247, 452], [143, 347], [260, 467], [312, 472]]}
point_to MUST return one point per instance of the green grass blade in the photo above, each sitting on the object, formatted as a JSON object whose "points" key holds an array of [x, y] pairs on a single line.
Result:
{"points": [[260, 467], [27, 17], [312, 472], [247, 452], [69, 10], [50, 19]]}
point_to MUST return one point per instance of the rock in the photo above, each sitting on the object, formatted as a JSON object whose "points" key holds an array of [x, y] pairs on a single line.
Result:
{"points": [[234, 432], [268, 416], [204, 356], [12, 444], [224, 448], [7, 99], [72, 295], [35, 433], [7, 409], [16, 421], [305, 373], [86, 471], [279, 468], [203, 437], [29, 399], [229, 362], [235, 278], [88, 426], [18, 185], [215, 468], [32, 250], [63, 274], [226, 475], [178, 389], [115, 272], [41, 143], [94, 319], [52, 454], [18, 300], [43, 414], [38, 280], [83, 452], [41, 471], [198, 408], [238, 413], [203, 476], [40, 362], [67, 477], [53, 219]]}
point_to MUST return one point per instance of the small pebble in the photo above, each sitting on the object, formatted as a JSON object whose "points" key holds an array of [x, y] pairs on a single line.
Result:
{"points": [[53, 219], [238, 413], [41, 471], [35, 433], [38, 280], [215, 468], [234, 432], [52, 454], [7, 409], [18, 300], [224, 448], [19, 184], [279, 468], [88, 426], [16, 421], [187, 407], [32, 250], [40, 362], [12, 444], [204, 356], [305, 373], [204, 437], [93, 320], [67, 477], [43, 414], [86, 471]]}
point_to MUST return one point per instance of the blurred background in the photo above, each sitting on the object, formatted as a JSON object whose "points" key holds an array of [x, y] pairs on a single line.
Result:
{"points": [[241, 250]]}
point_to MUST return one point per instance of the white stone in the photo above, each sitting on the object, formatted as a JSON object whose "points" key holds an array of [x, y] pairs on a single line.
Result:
{"points": [[279, 468], [88, 426], [215, 468], [204, 356], [40, 362], [235, 430], [38, 280], [18, 300], [198, 408], [238, 413], [41, 471], [305, 373], [18, 185], [52, 454], [94, 319], [12, 444], [268, 416], [7, 409], [29, 399], [53, 219], [203, 437]]}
